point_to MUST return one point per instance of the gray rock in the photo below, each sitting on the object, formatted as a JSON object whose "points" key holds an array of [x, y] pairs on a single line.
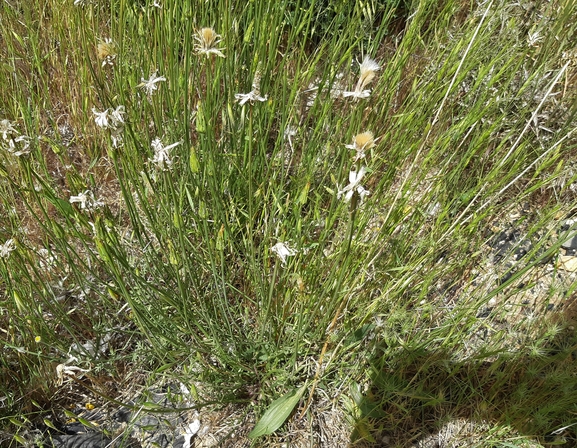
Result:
{"points": [[569, 236], [570, 243], [86, 440]]}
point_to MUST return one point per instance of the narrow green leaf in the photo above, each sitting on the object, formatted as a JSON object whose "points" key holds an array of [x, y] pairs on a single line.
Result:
{"points": [[248, 32], [87, 423], [20, 439], [200, 123], [277, 413], [16, 422], [50, 424]]}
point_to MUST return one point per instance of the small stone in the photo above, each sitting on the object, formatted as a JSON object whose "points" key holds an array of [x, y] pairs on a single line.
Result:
{"points": [[570, 243], [568, 236], [484, 313], [568, 223], [504, 278], [567, 263]]}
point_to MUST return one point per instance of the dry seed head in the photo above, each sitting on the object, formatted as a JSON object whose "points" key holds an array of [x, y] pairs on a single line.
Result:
{"points": [[363, 141], [6, 129], [106, 51], [368, 72], [208, 37], [207, 40]]}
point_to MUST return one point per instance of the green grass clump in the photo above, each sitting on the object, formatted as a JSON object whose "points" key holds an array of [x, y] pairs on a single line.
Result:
{"points": [[229, 194]]}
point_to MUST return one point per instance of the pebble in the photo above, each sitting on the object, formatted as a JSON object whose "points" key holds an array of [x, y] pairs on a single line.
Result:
{"points": [[567, 263], [570, 243], [570, 237]]}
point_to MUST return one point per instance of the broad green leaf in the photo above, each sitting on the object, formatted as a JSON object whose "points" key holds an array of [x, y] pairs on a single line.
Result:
{"points": [[220, 239], [277, 413], [194, 166], [302, 199], [64, 206]]}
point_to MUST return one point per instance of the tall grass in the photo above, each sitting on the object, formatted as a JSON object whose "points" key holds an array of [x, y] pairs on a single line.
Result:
{"points": [[131, 256]]}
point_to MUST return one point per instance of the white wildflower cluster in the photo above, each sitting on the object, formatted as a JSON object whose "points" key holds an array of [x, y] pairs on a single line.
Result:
{"points": [[354, 192], [86, 200], [6, 248], [162, 158], [12, 141], [112, 119]]}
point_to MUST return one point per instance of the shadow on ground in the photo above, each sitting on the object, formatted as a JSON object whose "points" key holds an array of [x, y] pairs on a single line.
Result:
{"points": [[416, 394]]}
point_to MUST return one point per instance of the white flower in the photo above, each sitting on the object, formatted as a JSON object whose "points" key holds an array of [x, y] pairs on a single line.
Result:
{"points": [[86, 200], [355, 94], [244, 98], [46, 259], [254, 94], [354, 185], [117, 116], [100, 118], [533, 38], [6, 248], [150, 84], [190, 431], [12, 145], [368, 68], [6, 128], [162, 154], [207, 39], [116, 137], [63, 369], [113, 119], [117, 126], [283, 251]]}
